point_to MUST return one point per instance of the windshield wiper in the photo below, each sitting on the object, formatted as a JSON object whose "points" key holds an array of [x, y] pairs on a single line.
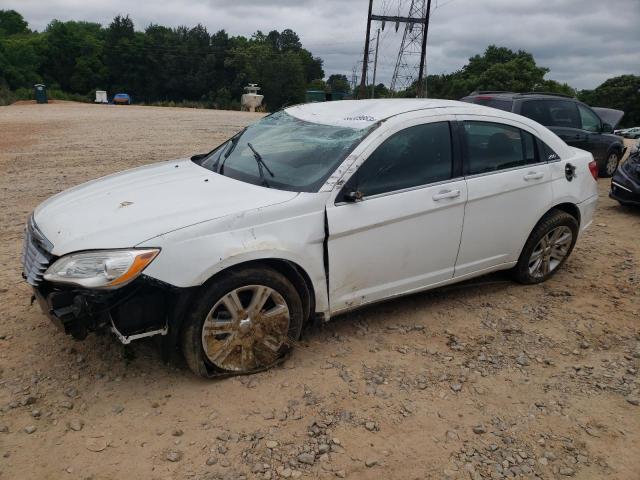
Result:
{"points": [[261, 165], [234, 142]]}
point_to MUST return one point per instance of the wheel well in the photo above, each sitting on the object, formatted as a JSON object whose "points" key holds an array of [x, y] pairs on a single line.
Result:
{"points": [[569, 208], [293, 272]]}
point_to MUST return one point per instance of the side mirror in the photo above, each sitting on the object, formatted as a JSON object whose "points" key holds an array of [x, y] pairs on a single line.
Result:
{"points": [[606, 128], [353, 197]]}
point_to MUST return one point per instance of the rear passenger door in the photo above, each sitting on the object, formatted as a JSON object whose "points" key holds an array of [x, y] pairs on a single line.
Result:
{"points": [[508, 190]]}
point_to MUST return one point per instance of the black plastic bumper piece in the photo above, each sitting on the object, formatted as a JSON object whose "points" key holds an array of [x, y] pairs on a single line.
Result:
{"points": [[143, 306], [625, 188]]}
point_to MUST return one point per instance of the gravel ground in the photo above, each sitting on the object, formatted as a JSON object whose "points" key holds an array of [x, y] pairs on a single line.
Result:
{"points": [[485, 380]]}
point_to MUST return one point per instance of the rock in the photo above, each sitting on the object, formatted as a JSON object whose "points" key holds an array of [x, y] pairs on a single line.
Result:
{"points": [[173, 456], [271, 444], [370, 462], [340, 474], [335, 441], [30, 429], [95, 444], [36, 413], [258, 468], [212, 461], [522, 360], [66, 404], [323, 448], [71, 392], [225, 463], [222, 449], [284, 472], [567, 472], [549, 455], [306, 458], [178, 432], [479, 429], [117, 409], [371, 426], [456, 387], [543, 461], [633, 401], [4, 429], [75, 424], [30, 400]]}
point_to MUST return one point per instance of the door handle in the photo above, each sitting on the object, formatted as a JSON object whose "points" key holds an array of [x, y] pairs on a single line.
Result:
{"points": [[533, 176], [446, 194]]}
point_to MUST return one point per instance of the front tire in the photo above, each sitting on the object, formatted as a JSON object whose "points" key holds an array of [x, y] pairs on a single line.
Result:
{"points": [[610, 165], [547, 248], [242, 322]]}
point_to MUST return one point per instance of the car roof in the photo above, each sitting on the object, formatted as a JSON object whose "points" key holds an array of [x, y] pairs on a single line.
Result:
{"points": [[359, 114], [364, 113]]}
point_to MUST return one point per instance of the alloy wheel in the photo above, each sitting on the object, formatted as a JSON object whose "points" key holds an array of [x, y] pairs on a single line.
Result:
{"points": [[246, 329], [550, 251], [612, 164]]}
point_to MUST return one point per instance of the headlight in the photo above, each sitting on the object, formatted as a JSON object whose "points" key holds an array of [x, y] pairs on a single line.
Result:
{"points": [[100, 268]]}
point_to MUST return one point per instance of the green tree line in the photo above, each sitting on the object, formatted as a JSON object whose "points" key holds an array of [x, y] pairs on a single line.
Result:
{"points": [[162, 64], [154, 65]]}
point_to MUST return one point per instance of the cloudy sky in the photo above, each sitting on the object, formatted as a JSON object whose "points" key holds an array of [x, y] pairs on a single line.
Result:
{"points": [[583, 42]]}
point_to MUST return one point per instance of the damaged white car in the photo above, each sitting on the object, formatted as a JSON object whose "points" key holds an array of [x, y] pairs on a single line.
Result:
{"points": [[312, 211]]}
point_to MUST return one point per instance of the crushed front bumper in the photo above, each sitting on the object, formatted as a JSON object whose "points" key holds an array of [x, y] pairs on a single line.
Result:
{"points": [[143, 308]]}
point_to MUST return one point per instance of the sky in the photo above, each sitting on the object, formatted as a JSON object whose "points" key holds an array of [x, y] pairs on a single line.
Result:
{"points": [[582, 42]]}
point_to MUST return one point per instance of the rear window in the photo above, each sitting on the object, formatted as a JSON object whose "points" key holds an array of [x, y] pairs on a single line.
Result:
{"points": [[552, 113], [499, 103]]}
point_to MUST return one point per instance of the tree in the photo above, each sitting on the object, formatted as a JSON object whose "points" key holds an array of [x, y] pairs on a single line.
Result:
{"points": [[339, 83], [498, 68], [621, 93], [12, 23]]}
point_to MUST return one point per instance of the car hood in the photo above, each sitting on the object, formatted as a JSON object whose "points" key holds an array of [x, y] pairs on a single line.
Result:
{"points": [[609, 115], [127, 208]]}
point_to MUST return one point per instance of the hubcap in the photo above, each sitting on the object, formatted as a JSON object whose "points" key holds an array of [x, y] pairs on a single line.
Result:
{"points": [[246, 329], [612, 164], [550, 251]]}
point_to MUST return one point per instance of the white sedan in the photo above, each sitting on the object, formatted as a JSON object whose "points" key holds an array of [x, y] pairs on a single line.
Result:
{"points": [[312, 211]]}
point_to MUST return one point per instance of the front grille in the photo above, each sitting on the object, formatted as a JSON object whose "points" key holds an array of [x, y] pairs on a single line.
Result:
{"points": [[36, 255]]}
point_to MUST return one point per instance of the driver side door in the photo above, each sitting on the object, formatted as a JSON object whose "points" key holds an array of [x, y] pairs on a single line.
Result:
{"points": [[404, 231]]}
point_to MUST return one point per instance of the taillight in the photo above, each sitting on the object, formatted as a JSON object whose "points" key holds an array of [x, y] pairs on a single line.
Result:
{"points": [[593, 168]]}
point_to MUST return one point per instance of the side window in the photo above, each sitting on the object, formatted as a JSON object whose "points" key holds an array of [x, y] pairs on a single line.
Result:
{"points": [[590, 121], [495, 146], [552, 113], [546, 152], [412, 157]]}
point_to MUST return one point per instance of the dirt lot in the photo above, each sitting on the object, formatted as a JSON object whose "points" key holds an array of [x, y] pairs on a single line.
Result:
{"points": [[487, 380]]}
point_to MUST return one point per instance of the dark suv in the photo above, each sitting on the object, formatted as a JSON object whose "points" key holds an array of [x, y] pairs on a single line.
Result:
{"points": [[577, 124]]}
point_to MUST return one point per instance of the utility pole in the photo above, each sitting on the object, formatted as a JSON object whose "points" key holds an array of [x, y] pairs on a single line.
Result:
{"points": [[365, 62], [375, 66], [421, 90]]}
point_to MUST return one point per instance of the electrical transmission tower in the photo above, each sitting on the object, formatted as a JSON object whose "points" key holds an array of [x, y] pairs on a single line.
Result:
{"points": [[412, 56], [408, 63]]}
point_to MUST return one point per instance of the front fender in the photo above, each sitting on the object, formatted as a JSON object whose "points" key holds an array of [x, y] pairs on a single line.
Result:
{"points": [[190, 256]]}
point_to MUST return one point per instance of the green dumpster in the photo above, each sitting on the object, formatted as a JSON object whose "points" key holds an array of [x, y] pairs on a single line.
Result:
{"points": [[40, 91]]}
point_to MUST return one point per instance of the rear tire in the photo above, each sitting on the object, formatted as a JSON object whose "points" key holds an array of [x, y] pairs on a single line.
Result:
{"points": [[242, 322], [547, 248], [610, 165]]}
